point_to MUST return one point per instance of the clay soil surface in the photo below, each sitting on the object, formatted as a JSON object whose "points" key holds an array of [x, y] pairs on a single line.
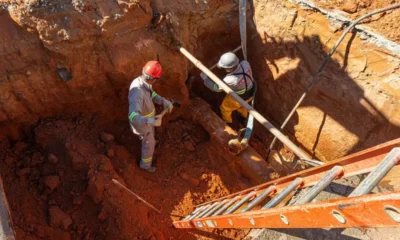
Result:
{"points": [[58, 182], [385, 23]]}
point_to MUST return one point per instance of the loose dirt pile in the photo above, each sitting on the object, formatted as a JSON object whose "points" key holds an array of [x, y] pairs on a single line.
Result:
{"points": [[59, 184]]}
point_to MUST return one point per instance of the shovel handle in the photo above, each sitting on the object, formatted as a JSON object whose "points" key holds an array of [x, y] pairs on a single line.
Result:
{"points": [[162, 113]]}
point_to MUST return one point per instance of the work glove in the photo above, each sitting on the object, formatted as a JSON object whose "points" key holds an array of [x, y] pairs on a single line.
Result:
{"points": [[168, 105], [203, 76], [157, 121], [150, 121]]}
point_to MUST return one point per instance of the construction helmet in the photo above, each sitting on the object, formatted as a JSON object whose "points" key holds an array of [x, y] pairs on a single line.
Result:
{"points": [[152, 70], [228, 60]]}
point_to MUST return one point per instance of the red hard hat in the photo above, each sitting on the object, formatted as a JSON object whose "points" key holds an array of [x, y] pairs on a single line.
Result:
{"points": [[153, 69]]}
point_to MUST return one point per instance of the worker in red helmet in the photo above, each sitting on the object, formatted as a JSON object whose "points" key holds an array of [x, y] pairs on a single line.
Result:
{"points": [[142, 113]]}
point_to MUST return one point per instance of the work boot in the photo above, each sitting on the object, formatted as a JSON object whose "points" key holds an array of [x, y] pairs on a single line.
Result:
{"points": [[150, 169]]}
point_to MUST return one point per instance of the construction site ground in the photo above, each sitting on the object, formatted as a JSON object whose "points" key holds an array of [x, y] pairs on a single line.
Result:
{"points": [[58, 182], [65, 71]]}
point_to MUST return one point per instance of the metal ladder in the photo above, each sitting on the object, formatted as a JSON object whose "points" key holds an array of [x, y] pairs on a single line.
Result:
{"points": [[249, 208]]}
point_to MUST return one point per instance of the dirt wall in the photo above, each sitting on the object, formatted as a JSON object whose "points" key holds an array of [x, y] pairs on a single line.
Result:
{"points": [[356, 103], [103, 45]]}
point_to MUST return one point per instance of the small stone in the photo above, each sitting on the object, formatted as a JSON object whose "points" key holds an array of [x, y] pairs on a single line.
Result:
{"points": [[24, 171], [189, 146], [58, 218], [95, 190], [106, 166], [52, 158], [350, 6], [194, 182], [110, 153], [184, 176], [78, 200], [52, 182], [106, 137], [103, 215]]}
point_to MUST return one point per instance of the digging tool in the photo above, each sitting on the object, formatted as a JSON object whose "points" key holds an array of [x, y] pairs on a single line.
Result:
{"points": [[134, 194], [159, 117]]}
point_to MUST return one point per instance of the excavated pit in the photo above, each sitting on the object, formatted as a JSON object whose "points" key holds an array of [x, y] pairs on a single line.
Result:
{"points": [[70, 161], [63, 138]]}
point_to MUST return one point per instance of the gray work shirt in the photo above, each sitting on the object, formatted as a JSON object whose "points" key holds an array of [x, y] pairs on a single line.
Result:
{"points": [[141, 106]]}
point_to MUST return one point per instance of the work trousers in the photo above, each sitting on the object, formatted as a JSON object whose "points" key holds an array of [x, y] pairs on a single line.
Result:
{"points": [[230, 105], [148, 146]]}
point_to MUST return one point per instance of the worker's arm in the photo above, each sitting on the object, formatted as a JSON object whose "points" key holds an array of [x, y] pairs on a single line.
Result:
{"points": [[157, 98], [162, 101], [210, 84], [135, 108]]}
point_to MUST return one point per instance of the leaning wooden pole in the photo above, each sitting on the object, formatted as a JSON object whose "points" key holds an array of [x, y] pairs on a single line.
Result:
{"points": [[300, 153]]}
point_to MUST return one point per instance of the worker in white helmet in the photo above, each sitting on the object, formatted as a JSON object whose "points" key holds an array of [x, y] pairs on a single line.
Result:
{"points": [[239, 79]]}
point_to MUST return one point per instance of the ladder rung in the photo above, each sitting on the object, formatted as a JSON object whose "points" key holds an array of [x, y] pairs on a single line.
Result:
{"points": [[226, 206], [240, 203], [321, 185], [193, 213], [211, 211], [285, 192], [258, 199], [378, 173], [206, 207], [208, 210]]}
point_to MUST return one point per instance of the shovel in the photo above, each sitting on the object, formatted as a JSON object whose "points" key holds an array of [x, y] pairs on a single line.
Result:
{"points": [[158, 117]]}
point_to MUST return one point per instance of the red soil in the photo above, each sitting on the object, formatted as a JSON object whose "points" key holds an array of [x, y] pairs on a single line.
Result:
{"points": [[85, 204]]}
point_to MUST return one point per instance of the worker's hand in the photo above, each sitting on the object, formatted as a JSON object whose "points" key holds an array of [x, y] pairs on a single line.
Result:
{"points": [[168, 105], [150, 121], [157, 121], [203, 76]]}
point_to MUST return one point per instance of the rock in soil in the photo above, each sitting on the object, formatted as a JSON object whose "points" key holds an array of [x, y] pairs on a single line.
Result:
{"points": [[52, 182], [78, 200], [189, 146], [58, 218], [110, 153], [106, 137], [52, 158]]}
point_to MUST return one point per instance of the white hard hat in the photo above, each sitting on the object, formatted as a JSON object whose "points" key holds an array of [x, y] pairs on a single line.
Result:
{"points": [[228, 60]]}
